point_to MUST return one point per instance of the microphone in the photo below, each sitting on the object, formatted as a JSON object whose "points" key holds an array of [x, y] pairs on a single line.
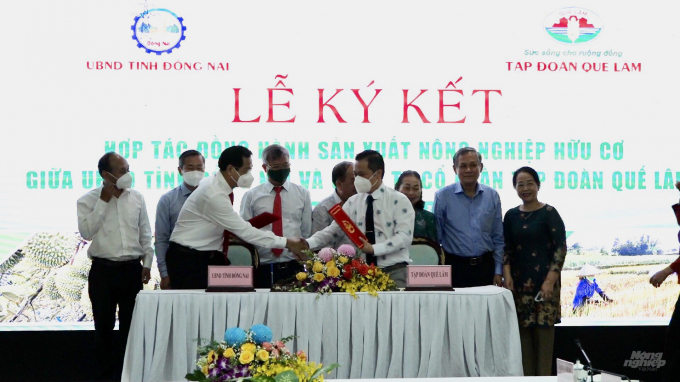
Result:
{"points": [[590, 365], [591, 369]]}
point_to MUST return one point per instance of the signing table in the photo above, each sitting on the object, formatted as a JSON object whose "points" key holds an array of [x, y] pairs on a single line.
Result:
{"points": [[469, 332]]}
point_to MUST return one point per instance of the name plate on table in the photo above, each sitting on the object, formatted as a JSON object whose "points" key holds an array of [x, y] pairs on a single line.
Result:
{"points": [[428, 277], [230, 279], [565, 371]]}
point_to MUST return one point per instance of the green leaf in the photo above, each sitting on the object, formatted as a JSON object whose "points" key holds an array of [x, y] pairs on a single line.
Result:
{"points": [[286, 376], [197, 375], [261, 379], [323, 370]]}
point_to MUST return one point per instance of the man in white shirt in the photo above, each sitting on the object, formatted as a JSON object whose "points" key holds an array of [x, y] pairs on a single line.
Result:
{"points": [[113, 216], [192, 169], [282, 198], [197, 240], [343, 180], [384, 215]]}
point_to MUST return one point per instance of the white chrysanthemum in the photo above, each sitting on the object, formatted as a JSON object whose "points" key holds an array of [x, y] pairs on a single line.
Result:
{"points": [[49, 250], [70, 283]]}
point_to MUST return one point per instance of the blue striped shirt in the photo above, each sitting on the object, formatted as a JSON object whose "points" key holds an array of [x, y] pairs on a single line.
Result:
{"points": [[470, 227]]}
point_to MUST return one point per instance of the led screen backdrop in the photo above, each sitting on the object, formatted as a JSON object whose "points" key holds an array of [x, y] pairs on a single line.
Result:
{"points": [[585, 96]]}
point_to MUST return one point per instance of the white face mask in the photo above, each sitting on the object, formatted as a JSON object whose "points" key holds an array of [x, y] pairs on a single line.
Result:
{"points": [[193, 178], [244, 181], [362, 184], [124, 181]]}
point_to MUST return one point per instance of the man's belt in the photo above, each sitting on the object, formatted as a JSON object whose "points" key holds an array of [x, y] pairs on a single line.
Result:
{"points": [[113, 263], [476, 260]]}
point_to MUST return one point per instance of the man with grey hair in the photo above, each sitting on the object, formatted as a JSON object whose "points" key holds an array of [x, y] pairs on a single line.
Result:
{"points": [[280, 197], [469, 224], [343, 180]]}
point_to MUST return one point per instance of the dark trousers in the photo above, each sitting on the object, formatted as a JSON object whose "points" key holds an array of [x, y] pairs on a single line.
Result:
{"points": [[112, 284], [671, 354], [279, 271], [188, 268], [469, 272]]}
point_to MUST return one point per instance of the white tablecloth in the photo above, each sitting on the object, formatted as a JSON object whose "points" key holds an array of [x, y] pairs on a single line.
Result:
{"points": [[469, 332]]}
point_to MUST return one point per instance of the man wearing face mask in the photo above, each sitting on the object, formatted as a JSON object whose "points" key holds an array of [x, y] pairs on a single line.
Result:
{"points": [[113, 216], [343, 180], [192, 169], [197, 239], [282, 198], [384, 215]]}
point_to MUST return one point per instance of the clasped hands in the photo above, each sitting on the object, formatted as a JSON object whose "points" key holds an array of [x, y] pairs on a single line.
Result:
{"points": [[297, 246]]}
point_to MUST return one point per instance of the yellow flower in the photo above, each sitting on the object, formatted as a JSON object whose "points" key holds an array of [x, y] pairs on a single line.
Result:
{"points": [[263, 355], [318, 277], [229, 353], [205, 369], [330, 264], [211, 357], [249, 346], [343, 259], [246, 357], [318, 267], [301, 276], [333, 272]]}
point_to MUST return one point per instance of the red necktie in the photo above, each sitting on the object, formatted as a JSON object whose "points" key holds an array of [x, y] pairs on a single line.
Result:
{"points": [[277, 226], [225, 244]]}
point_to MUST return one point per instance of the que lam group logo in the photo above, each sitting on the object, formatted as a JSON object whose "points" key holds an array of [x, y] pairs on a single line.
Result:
{"points": [[158, 30], [573, 25]]}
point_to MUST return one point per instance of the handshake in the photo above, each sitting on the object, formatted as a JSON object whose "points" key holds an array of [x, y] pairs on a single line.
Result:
{"points": [[297, 246]]}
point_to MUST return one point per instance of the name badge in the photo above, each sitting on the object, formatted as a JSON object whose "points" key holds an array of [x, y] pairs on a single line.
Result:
{"points": [[428, 277], [230, 279]]}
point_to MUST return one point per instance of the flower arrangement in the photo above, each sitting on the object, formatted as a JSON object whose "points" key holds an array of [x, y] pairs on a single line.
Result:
{"points": [[338, 270], [253, 356]]}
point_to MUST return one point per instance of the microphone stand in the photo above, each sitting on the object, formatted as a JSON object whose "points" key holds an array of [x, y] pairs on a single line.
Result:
{"points": [[593, 370], [590, 365]]}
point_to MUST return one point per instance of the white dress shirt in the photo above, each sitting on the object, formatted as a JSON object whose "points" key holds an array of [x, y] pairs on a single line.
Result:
{"points": [[208, 212], [296, 208], [321, 219], [119, 230], [393, 219]]}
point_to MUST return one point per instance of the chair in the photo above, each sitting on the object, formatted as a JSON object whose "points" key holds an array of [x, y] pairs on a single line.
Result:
{"points": [[425, 251], [241, 253]]}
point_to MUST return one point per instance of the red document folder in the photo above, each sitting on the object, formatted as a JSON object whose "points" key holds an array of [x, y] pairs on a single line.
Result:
{"points": [[258, 221], [263, 219], [347, 225]]}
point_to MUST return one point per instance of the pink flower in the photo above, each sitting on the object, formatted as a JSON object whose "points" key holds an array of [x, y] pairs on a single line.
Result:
{"points": [[347, 250], [275, 353], [280, 344], [267, 346], [326, 254]]}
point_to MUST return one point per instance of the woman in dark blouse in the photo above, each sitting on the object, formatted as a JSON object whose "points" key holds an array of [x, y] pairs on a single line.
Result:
{"points": [[535, 248], [409, 184]]}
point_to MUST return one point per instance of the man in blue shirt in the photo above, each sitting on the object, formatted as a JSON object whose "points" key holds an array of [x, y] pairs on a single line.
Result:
{"points": [[469, 224], [192, 169]]}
